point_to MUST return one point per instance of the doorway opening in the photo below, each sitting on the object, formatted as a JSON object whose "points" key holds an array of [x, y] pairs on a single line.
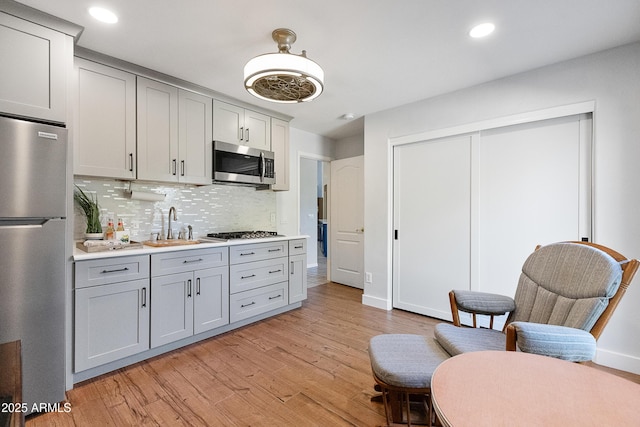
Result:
{"points": [[314, 182]]}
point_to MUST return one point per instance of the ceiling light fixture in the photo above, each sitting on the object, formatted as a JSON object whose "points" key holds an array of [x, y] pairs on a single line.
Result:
{"points": [[103, 15], [482, 30], [284, 77]]}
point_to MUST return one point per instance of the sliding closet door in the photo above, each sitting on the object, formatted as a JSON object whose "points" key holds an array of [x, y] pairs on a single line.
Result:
{"points": [[534, 188], [432, 220]]}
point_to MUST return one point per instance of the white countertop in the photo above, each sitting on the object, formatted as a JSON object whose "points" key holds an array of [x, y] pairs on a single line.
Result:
{"points": [[80, 255]]}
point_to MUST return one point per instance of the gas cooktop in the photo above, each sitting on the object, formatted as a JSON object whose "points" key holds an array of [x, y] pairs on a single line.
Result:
{"points": [[235, 235]]}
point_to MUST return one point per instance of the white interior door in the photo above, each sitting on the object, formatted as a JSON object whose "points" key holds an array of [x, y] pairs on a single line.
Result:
{"points": [[346, 223], [432, 200], [470, 209], [534, 188]]}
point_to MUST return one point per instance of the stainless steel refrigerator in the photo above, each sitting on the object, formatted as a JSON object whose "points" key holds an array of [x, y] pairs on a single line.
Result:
{"points": [[32, 253]]}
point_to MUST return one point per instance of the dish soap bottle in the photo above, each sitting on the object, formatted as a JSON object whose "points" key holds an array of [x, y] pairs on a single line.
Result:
{"points": [[120, 225], [108, 235]]}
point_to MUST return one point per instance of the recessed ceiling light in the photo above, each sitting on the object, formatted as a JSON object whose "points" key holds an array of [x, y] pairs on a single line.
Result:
{"points": [[103, 15], [482, 30]]}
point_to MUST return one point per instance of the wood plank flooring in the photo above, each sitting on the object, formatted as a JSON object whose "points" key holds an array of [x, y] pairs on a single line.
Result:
{"points": [[307, 367]]}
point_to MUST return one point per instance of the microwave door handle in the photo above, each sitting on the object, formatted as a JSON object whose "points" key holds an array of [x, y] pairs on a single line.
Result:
{"points": [[262, 167]]}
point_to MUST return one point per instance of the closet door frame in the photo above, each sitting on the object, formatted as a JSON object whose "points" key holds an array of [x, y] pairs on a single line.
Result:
{"points": [[586, 163]]}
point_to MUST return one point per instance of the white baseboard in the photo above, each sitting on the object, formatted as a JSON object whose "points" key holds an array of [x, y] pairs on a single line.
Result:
{"points": [[620, 361], [382, 303]]}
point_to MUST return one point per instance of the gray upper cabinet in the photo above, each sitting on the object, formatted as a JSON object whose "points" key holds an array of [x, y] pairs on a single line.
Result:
{"points": [[105, 121], [280, 147], [174, 134], [33, 75], [237, 125]]}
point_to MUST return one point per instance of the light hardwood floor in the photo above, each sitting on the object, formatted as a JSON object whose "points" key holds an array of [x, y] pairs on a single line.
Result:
{"points": [[307, 367]]}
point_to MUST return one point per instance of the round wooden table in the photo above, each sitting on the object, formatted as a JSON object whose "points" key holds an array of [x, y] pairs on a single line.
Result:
{"points": [[504, 388]]}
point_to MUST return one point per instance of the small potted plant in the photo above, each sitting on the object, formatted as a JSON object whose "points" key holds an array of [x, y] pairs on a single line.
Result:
{"points": [[91, 212]]}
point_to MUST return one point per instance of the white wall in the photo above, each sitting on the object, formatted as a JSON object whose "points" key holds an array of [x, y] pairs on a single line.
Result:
{"points": [[302, 145], [611, 79], [349, 147]]}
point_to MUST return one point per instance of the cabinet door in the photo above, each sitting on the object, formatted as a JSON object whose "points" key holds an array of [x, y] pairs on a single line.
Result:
{"points": [[111, 322], [105, 116], [280, 147], [211, 300], [228, 122], [172, 313], [33, 75], [297, 278], [195, 138], [257, 130], [157, 113]]}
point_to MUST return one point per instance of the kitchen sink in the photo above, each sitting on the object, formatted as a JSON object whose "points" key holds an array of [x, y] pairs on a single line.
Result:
{"points": [[172, 242]]}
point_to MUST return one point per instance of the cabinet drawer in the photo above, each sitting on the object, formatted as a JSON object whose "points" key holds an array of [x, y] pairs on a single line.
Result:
{"points": [[257, 301], [258, 252], [111, 270], [297, 247], [253, 275], [181, 261]]}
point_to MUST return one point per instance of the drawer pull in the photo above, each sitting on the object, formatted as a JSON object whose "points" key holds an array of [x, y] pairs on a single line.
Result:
{"points": [[114, 271], [247, 305], [275, 271], [275, 250], [298, 247], [188, 261], [276, 297], [247, 253], [248, 277]]}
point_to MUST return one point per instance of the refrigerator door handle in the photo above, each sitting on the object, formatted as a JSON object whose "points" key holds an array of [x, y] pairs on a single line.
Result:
{"points": [[23, 223]]}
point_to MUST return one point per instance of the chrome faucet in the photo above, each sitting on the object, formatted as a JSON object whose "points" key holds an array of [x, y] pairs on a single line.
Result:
{"points": [[175, 218]]}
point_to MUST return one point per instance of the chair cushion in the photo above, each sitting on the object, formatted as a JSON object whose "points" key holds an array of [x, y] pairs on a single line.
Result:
{"points": [[566, 284], [561, 342], [405, 360], [483, 303], [456, 340]]}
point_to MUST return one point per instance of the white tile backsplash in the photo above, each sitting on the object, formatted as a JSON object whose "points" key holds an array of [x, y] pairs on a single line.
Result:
{"points": [[207, 209]]}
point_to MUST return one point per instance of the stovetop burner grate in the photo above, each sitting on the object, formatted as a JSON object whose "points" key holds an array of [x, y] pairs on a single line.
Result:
{"points": [[243, 235]]}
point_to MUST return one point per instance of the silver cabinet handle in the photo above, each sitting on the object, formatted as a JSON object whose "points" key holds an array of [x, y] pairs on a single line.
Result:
{"points": [[188, 261], [247, 140], [181, 167], [247, 305], [248, 277], [114, 271], [189, 288], [247, 253], [198, 286], [275, 250], [298, 247], [292, 266], [275, 271], [144, 297], [175, 166], [242, 134], [130, 162], [277, 296]]}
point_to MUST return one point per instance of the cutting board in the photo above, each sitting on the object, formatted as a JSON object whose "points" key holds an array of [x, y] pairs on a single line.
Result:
{"points": [[167, 243]]}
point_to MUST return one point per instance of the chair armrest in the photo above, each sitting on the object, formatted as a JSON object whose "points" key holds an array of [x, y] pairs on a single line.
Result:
{"points": [[561, 342], [483, 303]]}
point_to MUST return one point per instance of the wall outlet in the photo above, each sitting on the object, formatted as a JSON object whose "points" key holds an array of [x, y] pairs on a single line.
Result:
{"points": [[368, 277], [273, 217]]}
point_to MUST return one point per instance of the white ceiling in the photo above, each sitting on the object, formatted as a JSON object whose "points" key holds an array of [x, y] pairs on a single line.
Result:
{"points": [[377, 54]]}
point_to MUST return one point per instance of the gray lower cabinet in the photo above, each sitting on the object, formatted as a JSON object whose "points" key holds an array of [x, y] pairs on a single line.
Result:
{"points": [[188, 298], [111, 310], [297, 270], [259, 279]]}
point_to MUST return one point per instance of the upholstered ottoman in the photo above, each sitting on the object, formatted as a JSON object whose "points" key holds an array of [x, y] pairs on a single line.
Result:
{"points": [[402, 366]]}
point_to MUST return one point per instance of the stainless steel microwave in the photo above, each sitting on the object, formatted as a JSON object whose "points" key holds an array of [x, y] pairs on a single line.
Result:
{"points": [[242, 165]]}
